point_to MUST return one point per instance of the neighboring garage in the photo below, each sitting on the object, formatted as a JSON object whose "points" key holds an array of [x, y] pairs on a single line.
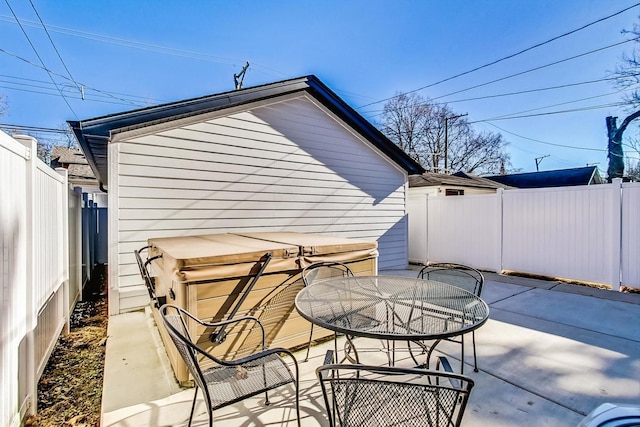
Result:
{"points": [[287, 156]]}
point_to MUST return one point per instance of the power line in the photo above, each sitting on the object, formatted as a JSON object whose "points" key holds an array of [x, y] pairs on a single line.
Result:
{"points": [[530, 70], [133, 98], [539, 68], [64, 77], [522, 92], [54, 46], [38, 55], [536, 90], [86, 98], [35, 129], [557, 105], [558, 145], [594, 107], [183, 53], [511, 55]]}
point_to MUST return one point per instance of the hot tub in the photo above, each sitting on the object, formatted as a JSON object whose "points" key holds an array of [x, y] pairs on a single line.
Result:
{"points": [[220, 276]]}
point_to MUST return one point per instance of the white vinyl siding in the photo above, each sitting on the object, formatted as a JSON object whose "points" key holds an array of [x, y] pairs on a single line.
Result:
{"points": [[288, 165]]}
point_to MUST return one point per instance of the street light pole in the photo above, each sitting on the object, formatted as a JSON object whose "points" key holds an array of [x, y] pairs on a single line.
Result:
{"points": [[446, 139]]}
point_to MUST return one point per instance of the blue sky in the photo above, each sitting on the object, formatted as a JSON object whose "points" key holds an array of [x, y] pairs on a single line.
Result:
{"points": [[127, 54]]}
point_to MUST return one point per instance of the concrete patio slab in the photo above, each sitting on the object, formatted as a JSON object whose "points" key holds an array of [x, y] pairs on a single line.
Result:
{"points": [[547, 357]]}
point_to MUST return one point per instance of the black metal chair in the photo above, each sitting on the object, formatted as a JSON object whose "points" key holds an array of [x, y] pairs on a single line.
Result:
{"points": [[224, 382], [319, 271], [462, 276], [360, 395]]}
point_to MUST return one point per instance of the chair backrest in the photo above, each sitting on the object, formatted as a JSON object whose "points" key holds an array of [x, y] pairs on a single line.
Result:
{"points": [[383, 395], [175, 322], [462, 276], [146, 276], [324, 270]]}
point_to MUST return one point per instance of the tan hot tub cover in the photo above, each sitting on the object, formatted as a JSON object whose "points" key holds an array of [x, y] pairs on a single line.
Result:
{"points": [[210, 275]]}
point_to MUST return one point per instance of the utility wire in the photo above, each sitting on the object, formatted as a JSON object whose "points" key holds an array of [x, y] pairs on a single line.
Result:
{"points": [[544, 142], [32, 83], [522, 92], [528, 71], [511, 55], [594, 107], [562, 145], [539, 68], [38, 55], [35, 129], [557, 105], [105, 100], [54, 46], [66, 78], [190, 54]]}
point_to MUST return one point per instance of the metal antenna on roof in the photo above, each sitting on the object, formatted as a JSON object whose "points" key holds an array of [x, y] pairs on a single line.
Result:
{"points": [[539, 160], [239, 78]]}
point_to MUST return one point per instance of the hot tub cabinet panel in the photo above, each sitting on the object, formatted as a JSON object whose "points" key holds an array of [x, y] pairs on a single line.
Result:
{"points": [[210, 276]]}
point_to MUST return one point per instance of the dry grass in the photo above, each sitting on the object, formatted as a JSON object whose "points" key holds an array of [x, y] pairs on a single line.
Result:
{"points": [[70, 389]]}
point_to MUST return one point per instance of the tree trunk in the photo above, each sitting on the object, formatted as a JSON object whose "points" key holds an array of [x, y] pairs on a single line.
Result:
{"points": [[616, 155]]}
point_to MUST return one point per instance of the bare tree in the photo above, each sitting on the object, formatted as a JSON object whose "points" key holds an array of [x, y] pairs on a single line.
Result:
{"points": [[3, 104], [433, 135], [627, 78]]}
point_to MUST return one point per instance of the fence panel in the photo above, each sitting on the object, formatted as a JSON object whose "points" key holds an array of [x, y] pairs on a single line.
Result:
{"points": [[13, 292], [565, 232], [50, 231], [35, 299], [465, 229], [75, 246], [417, 209], [631, 234], [587, 233]]}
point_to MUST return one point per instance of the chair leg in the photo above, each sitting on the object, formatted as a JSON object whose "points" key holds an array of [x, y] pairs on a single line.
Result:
{"points": [[193, 406], [462, 355], [297, 394], [475, 358], [309, 345]]}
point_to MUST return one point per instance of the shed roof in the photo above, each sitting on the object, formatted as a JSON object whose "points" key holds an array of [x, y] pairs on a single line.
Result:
{"points": [[431, 179], [93, 134], [554, 178], [68, 155]]}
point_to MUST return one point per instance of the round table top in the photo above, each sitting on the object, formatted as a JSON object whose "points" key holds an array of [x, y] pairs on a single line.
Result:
{"points": [[391, 307]]}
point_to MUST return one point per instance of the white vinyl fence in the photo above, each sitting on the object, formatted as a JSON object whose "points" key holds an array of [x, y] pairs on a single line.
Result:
{"points": [[586, 233], [39, 224]]}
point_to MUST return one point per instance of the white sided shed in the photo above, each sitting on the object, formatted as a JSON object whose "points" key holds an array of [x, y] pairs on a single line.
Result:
{"points": [[286, 156]]}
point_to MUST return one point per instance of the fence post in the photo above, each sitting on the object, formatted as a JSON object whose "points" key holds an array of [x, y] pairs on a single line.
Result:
{"points": [[616, 234], [500, 201], [65, 251], [29, 372], [86, 243], [426, 229]]}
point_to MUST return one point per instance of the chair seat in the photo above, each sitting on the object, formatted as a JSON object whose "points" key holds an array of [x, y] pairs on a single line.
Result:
{"points": [[224, 382], [229, 384]]}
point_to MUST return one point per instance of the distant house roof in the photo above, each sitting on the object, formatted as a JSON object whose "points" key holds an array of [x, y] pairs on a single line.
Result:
{"points": [[555, 178], [73, 160], [93, 134], [67, 155], [430, 179]]}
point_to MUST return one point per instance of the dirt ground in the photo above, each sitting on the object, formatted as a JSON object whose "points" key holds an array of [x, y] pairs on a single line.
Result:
{"points": [[70, 389]]}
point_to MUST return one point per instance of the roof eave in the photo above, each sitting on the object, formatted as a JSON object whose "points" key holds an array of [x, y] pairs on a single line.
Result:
{"points": [[101, 128]]}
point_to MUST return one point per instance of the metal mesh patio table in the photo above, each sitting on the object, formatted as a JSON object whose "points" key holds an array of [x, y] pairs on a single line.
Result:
{"points": [[391, 308]]}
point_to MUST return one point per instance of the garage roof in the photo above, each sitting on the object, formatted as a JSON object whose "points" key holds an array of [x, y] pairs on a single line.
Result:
{"points": [[93, 134]]}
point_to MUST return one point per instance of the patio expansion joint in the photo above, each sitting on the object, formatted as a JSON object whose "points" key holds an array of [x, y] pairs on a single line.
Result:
{"points": [[511, 296]]}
